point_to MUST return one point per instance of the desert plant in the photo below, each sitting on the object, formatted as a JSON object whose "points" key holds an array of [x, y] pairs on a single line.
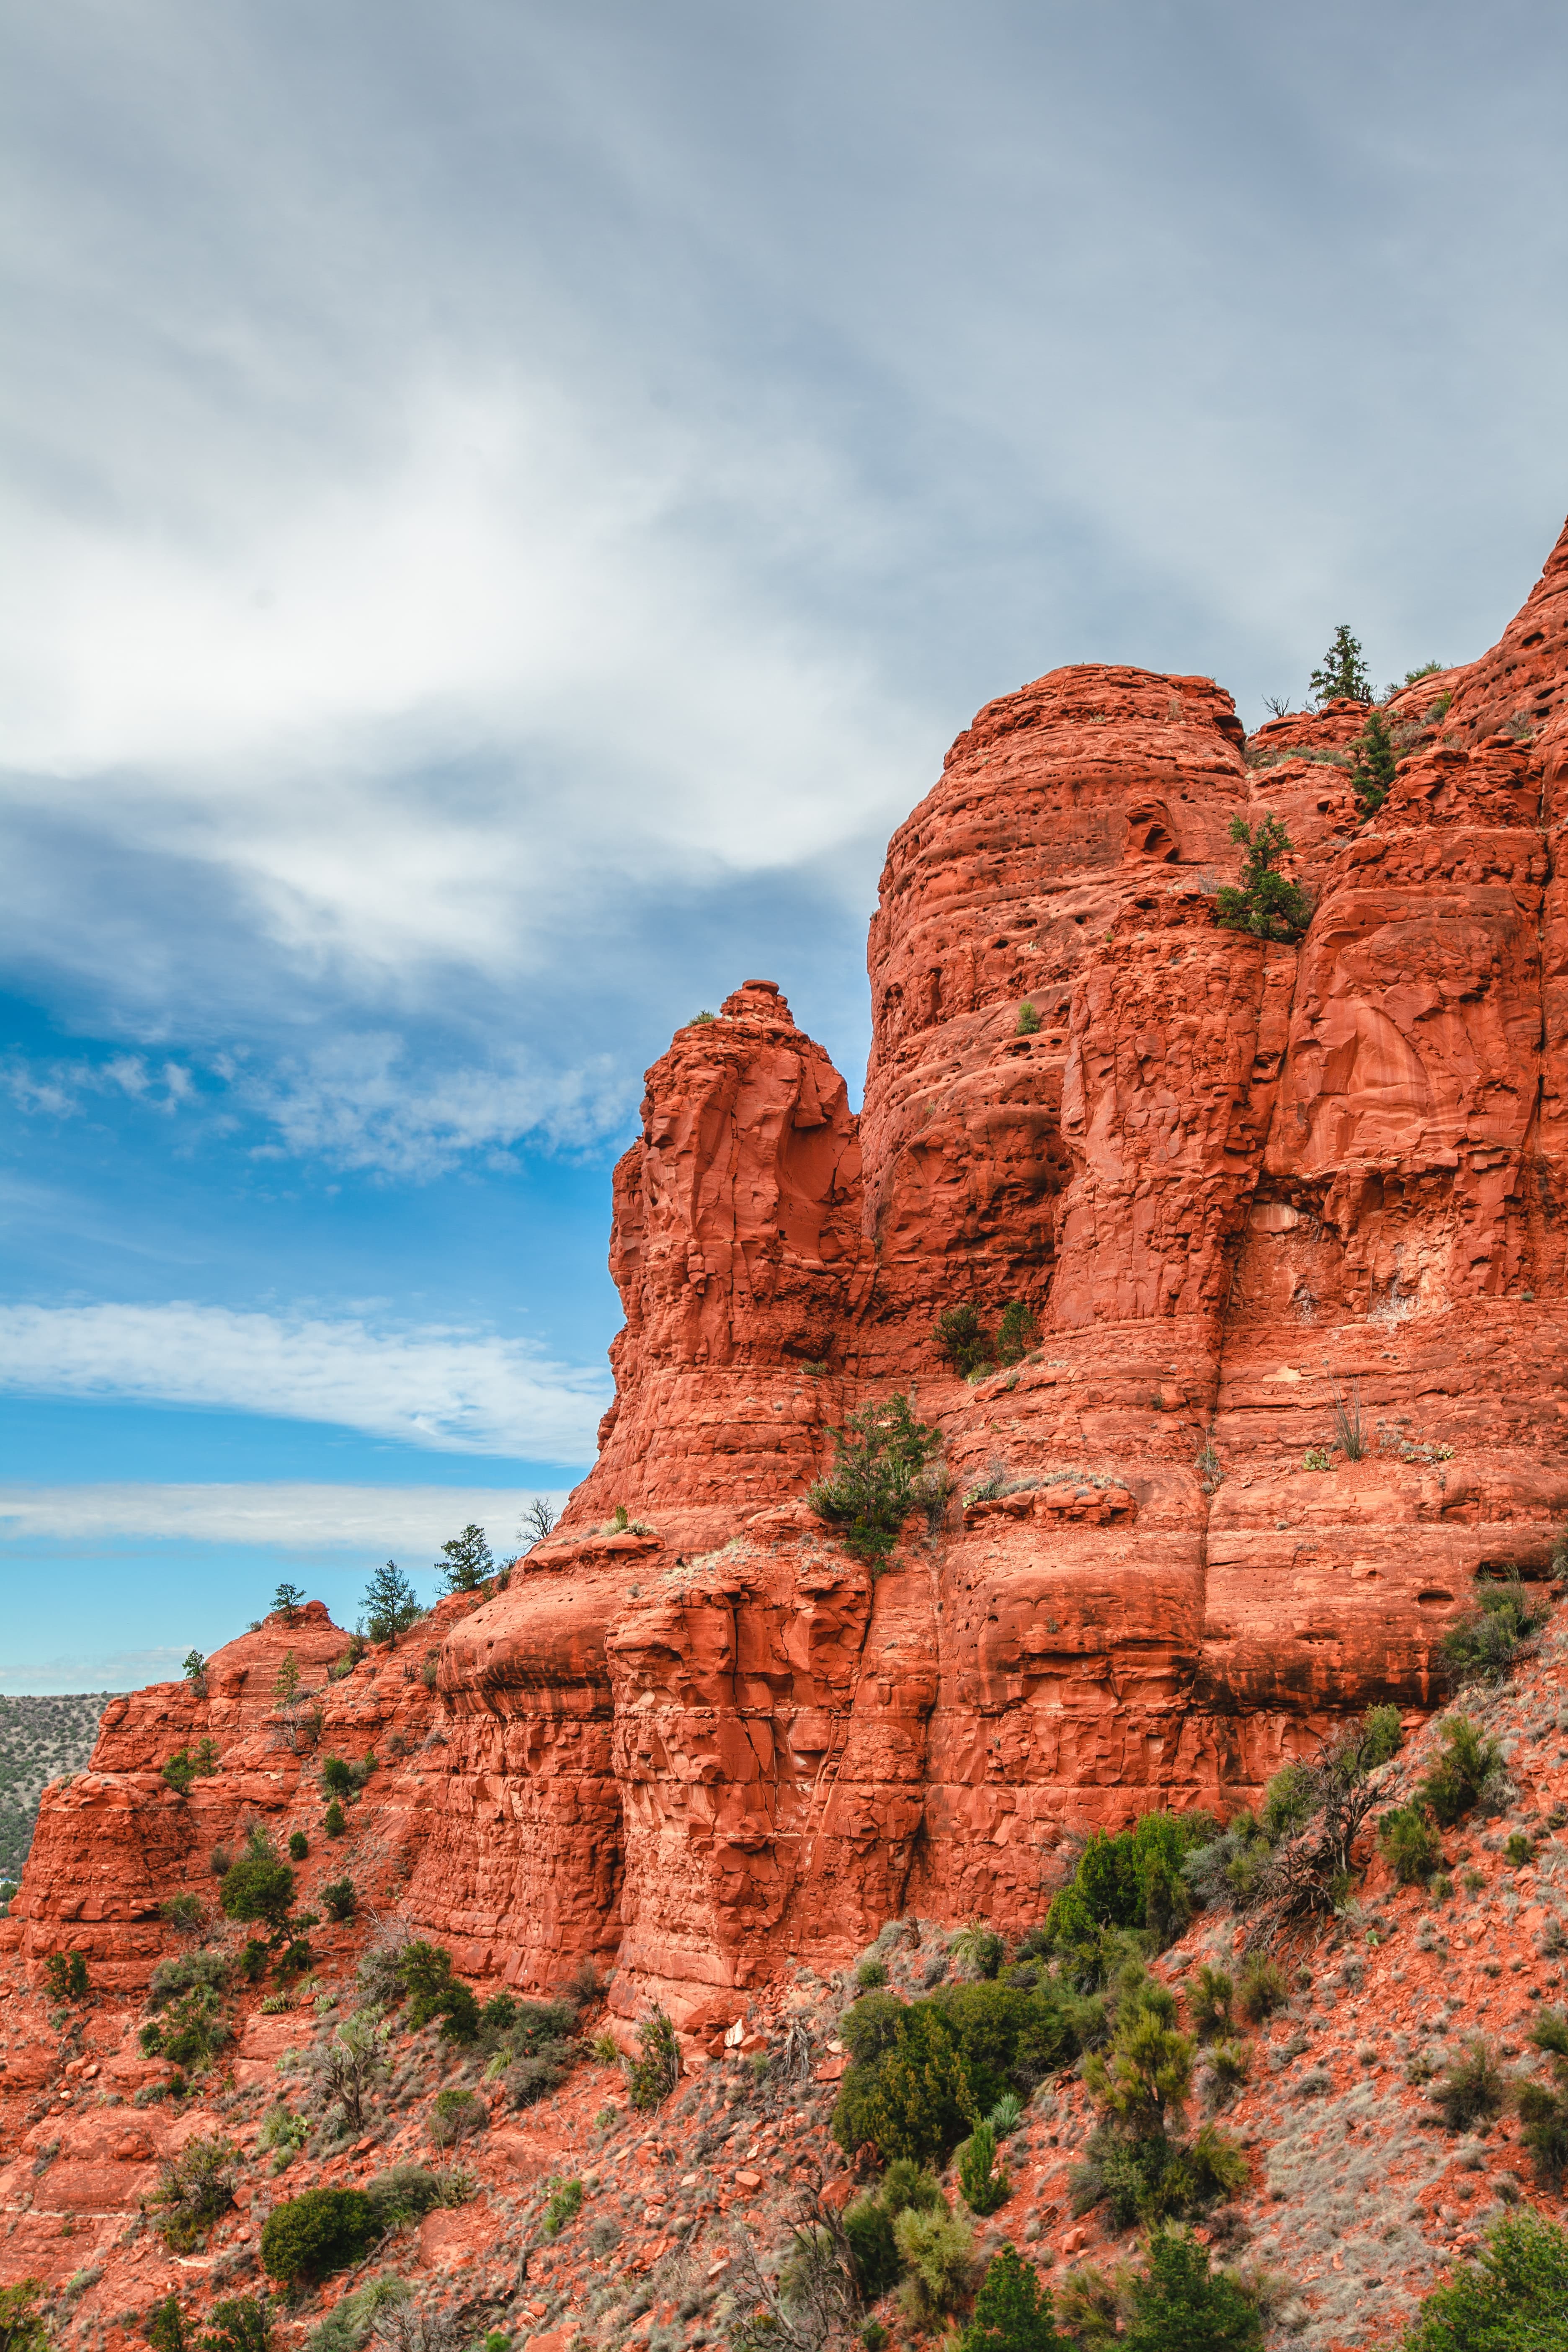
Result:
{"points": [[1350, 1430], [1264, 903], [191, 2032], [332, 1822], [881, 1472], [566, 2204], [465, 1563], [1384, 1735], [185, 1913], [538, 1522], [1473, 2090], [287, 1602], [258, 1886], [21, 2327], [1012, 2311], [938, 2254], [984, 2188], [1459, 1778], [433, 1990], [1409, 1844], [1373, 765], [183, 1768], [1514, 2298], [286, 1683], [1342, 676], [1181, 2304], [298, 1845], [166, 2325], [65, 1976], [962, 1338], [1005, 2115], [652, 2076], [340, 1899], [456, 2115], [1015, 1334], [282, 2136], [391, 1604], [193, 2190], [977, 1950], [1229, 2065], [1261, 1989], [195, 1670], [240, 2322], [352, 2063], [1028, 1022], [1209, 1998], [869, 1974], [1482, 1646], [324, 2229], [868, 2231]]}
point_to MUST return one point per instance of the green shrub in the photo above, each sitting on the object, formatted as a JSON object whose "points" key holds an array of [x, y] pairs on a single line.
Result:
{"points": [[465, 1563], [1012, 2311], [21, 2327], [1519, 1850], [1261, 1989], [1016, 1333], [332, 1822], [1209, 1998], [1409, 1844], [652, 2076], [1229, 2065], [323, 2230], [932, 2068], [528, 2080], [870, 1974], [1180, 2304], [1373, 765], [1473, 2090], [1543, 2110], [456, 2115], [978, 1950], [298, 1845], [1514, 2298], [1484, 1643], [880, 1474], [498, 2013], [984, 2189], [1344, 674], [1005, 2115], [192, 2032], [185, 1913], [240, 2322], [870, 2026], [908, 2187], [869, 2227], [937, 2255], [166, 2326], [1457, 1781], [391, 1604], [1265, 903], [566, 2204], [1133, 1879], [65, 1976], [183, 1768], [962, 1340], [340, 1898], [1290, 1799], [426, 1971], [1028, 1021], [193, 2190], [404, 2193], [258, 1886]]}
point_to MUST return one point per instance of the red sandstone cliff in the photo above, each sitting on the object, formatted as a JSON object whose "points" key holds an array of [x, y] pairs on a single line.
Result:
{"points": [[1228, 1179]]}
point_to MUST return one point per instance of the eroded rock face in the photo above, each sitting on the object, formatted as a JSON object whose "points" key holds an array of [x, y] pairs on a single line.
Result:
{"points": [[1288, 1223]]}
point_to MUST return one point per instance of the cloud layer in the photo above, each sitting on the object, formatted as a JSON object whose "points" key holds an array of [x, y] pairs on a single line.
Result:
{"points": [[412, 1522], [455, 1392]]}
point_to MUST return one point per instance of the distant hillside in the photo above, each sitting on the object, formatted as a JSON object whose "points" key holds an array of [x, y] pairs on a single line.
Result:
{"points": [[40, 1739]]}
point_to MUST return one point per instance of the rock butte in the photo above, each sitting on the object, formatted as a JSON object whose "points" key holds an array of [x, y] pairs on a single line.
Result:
{"points": [[1228, 1179]]}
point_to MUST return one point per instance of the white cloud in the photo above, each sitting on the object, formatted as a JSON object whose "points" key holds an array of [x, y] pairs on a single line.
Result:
{"points": [[451, 1391], [412, 1522]]}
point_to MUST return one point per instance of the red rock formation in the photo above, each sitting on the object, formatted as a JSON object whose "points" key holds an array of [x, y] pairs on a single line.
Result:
{"points": [[1235, 1185]]}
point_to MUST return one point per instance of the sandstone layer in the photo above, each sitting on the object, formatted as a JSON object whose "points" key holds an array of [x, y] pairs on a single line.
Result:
{"points": [[1240, 1188]]}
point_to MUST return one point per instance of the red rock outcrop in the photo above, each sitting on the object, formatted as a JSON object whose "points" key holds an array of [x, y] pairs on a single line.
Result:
{"points": [[1239, 1188]]}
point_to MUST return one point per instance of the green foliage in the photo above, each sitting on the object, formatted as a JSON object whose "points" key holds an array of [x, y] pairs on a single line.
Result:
{"points": [[340, 1898], [870, 1974], [1483, 1645], [1457, 1780], [880, 1475], [1514, 2298], [925, 2071], [323, 2230], [1143, 2080], [1287, 1801], [978, 1950], [391, 1604], [652, 2076], [465, 1563], [1373, 765], [1028, 1021], [165, 2327], [195, 1670], [21, 2328], [182, 1970], [566, 2204], [1473, 2090], [186, 1912], [1005, 2115], [1409, 1844], [1012, 2311], [456, 2115], [1133, 1879], [258, 1886], [1384, 1735], [298, 1845], [1016, 1333], [871, 2025], [869, 2227], [193, 2189], [984, 2189], [937, 2255], [1230, 2064], [332, 1822], [1261, 1989], [406, 2193], [1264, 903], [1209, 1998], [426, 1971], [191, 2032], [1180, 2304], [240, 2322], [1343, 675], [65, 1976], [183, 1768], [342, 1779], [288, 1600], [962, 1340], [286, 1685], [1542, 2108]]}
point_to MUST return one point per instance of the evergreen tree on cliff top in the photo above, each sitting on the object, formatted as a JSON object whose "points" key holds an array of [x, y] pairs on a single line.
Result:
{"points": [[1343, 675]]}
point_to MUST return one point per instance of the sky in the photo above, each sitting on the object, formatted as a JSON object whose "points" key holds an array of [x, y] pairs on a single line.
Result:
{"points": [[505, 507]]}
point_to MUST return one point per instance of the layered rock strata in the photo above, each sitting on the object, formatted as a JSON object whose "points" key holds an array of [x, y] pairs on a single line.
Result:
{"points": [[1288, 1223]]}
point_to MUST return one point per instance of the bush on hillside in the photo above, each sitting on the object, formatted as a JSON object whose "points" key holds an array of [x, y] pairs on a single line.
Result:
{"points": [[1513, 2298], [323, 2230]]}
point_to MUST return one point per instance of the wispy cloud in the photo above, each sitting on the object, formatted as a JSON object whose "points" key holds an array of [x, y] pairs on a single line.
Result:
{"points": [[452, 1390], [411, 1521]]}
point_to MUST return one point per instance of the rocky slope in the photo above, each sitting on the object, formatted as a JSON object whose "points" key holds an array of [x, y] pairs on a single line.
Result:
{"points": [[1235, 1185]]}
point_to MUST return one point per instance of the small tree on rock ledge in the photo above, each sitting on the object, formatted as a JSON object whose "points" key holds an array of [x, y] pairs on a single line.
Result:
{"points": [[1266, 904]]}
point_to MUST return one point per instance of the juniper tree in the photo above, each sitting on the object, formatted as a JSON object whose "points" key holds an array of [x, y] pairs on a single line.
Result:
{"points": [[1344, 677], [1265, 903], [466, 1561], [1373, 767], [391, 1604]]}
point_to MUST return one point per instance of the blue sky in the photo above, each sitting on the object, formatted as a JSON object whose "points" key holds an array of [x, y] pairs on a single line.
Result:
{"points": [[505, 509]]}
